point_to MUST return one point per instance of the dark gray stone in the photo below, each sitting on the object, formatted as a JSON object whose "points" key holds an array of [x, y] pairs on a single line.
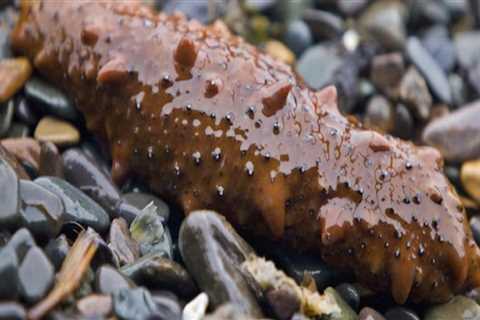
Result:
{"points": [[318, 64], [51, 162], [108, 280], [7, 110], [36, 275], [56, 250], [12, 311], [140, 200], [24, 112], [133, 304], [324, 24], [298, 37], [401, 313], [438, 43], [21, 242], [9, 284], [9, 196]]}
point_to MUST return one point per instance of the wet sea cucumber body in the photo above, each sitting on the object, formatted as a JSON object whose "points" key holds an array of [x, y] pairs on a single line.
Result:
{"points": [[210, 122]]}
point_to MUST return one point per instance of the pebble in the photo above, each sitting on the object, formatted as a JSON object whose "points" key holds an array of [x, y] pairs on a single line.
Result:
{"points": [[385, 22], [134, 303], [93, 149], [283, 302], [475, 226], [26, 150], [458, 89], [229, 312], [6, 115], [413, 91], [24, 112], [5, 30], [349, 294], [57, 131], [380, 114], [369, 314], [279, 51], [459, 307], [212, 252], [168, 306], [197, 308], [108, 280], [401, 313], [467, 46], [14, 163], [351, 8], [42, 211], [9, 215], [51, 162], [431, 71], [83, 172], [95, 306], [318, 64], [438, 43], [386, 72], [12, 311], [324, 24], [9, 285], [298, 37], [457, 135], [36, 275], [57, 250], [140, 200], [428, 12], [151, 234], [470, 177], [121, 243], [18, 130], [21, 242], [157, 272], [78, 207], [14, 72], [50, 100]]}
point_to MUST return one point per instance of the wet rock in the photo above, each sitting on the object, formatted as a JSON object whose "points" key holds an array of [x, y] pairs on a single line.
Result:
{"points": [[459, 307], [438, 43], [6, 115], [385, 22], [369, 314], [42, 211], [380, 114], [212, 252], [458, 89], [386, 72], [349, 294], [108, 280], [78, 207], [318, 64], [150, 233], [50, 100], [324, 24], [350, 8], [196, 309], [279, 51], [475, 226], [133, 304], [51, 162], [140, 200], [157, 272], [298, 37], [457, 135], [95, 306], [9, 196], [283, 303], [414, 93], [82, 172], [24, 112], [36, 275], [57, 131], [467, 46], [13, 74], [428, 12], [470, 177], [168, 306], [26, 150], [402, 313], [21, 242], [56, 250], [121, 243], [14, 163], [431, 71], [97, 153], [18, 130], [9, 284], [12, 311]]}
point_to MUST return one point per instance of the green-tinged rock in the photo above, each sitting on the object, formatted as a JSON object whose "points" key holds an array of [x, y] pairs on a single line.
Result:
{"points": [[459, 308]]}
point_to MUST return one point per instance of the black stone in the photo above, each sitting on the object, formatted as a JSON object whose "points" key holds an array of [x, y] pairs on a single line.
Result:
{"points": [[25, 113], [404, 124], [7, 110], [56, 250], [12, 311], [475, 225], [401, 313], [36, 275], [9, 196], [78, 207], [350, 294], [18, 130], [108, 280], [49, 99], [51, 162], [9, 284]]}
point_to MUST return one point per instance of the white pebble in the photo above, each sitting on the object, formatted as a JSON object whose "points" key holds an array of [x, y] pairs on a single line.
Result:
{"points": [[196, 309]]}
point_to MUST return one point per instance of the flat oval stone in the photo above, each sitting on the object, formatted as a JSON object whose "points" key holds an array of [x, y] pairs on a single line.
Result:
{"points": [[82, 172], [6, 116], [157, 272], [133, 304], [212, 252], [95, 306], [56, 250], [14, 72], [42, 211], [141, 199], [9, 196], [36, 275], [459, 308], [123, 246], [78, 207], [21, 242], [9, 284], [12, 311], [51, 162], [108, 280], [24, 112], [50, 100], [57, 131]]}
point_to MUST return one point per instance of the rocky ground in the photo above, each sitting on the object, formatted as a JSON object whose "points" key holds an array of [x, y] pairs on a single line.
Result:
{"points": [[75, 246]]}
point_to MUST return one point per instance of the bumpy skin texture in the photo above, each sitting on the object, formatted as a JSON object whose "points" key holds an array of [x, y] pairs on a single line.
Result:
{"points": [[210, 122]]}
